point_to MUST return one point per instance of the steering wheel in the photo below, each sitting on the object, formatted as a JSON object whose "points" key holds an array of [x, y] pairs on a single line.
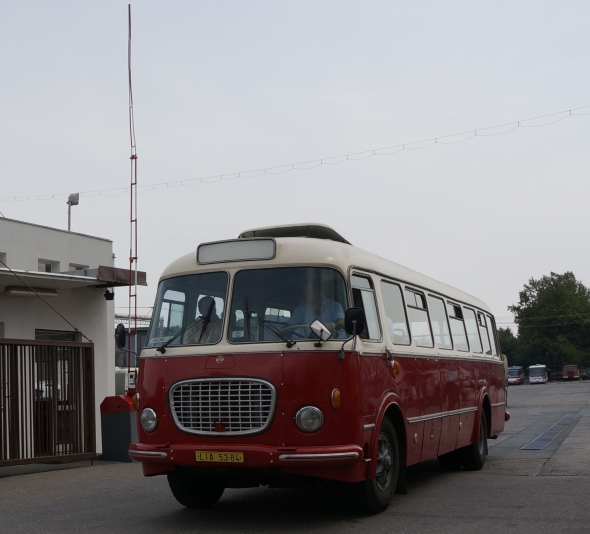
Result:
{"points": [[292, 327]]}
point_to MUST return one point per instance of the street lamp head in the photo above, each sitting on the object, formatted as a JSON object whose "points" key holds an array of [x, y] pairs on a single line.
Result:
{"points": [[74, 199]]}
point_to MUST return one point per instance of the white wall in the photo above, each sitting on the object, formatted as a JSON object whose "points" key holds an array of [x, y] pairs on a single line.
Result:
{"points": [[86, 308], [25, 243]]}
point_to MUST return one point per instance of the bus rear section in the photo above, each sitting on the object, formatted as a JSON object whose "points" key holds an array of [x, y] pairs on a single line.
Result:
{"points": [[538, 374]]}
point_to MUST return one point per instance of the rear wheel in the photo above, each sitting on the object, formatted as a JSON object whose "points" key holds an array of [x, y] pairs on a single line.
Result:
{"points": [[474, 455], [194, 492], [375, 495], [451, 461]]}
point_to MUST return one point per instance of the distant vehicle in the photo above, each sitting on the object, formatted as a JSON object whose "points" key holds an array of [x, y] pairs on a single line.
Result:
{"points": [[538, 374], [515, 375], [571, 372]]}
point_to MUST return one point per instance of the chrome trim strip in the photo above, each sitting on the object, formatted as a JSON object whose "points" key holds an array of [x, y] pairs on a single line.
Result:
{"points": [[147, 454], [369, 427], [439, 415], [319, 457], [498, 404]]}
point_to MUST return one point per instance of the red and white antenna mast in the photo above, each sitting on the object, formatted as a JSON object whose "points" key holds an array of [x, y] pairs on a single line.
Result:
{"points": [[133, 219]]}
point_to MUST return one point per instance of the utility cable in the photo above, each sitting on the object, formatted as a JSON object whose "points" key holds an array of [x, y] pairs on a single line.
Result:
{"points": [[311, 164]]}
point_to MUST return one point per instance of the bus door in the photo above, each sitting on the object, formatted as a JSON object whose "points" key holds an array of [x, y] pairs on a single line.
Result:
{"points": [[407, 383], [449, 372], [428, 372], [375, 377]]}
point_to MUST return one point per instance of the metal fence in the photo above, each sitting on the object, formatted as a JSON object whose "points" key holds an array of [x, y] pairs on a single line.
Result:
{"points": [[46, 401]]}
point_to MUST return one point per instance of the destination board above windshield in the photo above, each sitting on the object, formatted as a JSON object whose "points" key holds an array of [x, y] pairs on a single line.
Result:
{"points": [[236, 250]]}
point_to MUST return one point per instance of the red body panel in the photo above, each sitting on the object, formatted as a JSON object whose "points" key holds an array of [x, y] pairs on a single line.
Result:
{"points": [[425, 391]]}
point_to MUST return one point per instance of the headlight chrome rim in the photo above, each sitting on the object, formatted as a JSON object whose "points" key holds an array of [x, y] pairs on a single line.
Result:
{"points": [[309, 419], [148, 419]]}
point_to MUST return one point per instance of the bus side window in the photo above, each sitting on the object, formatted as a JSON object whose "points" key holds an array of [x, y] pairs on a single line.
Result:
{"points": [[395, 314], [418, 315], [440, 324], [472, 333], [363, 296], [491, 330], [458, 327], [483, 332]]}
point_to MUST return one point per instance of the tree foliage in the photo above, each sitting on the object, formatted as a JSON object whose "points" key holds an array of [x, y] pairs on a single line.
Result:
{"points": [[509, 344], [553, 318]]}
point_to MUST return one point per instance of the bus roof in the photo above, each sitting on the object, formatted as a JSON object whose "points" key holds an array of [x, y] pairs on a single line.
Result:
{"points": [[293, 251]]}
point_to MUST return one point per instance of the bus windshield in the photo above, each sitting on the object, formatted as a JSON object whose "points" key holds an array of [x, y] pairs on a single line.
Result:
{"points": [[287, 300], [514, 373], [189, 309]]}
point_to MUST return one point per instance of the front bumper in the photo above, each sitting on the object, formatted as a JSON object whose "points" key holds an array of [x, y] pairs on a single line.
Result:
{"points": [[165, 457]]}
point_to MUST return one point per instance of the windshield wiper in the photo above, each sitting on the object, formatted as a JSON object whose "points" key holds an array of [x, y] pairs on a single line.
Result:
{"points": [[196, 322], [249, 314]]}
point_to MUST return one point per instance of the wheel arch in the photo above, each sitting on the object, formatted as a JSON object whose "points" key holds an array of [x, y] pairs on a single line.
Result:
{"points": [[391, 410]]}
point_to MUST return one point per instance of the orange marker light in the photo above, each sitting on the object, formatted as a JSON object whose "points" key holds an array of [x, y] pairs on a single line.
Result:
{"points": [[395, 368], [336, 399], [135, 401]]}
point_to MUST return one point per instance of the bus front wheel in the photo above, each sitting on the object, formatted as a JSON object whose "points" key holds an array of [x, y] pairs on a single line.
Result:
{"points": [[474, 455], [375, 495], [194, 492]]}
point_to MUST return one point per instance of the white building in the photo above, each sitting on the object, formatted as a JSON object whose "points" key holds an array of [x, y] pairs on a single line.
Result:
{"points": [[74, 273]]}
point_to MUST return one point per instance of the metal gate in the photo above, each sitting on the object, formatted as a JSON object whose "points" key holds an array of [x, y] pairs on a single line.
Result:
{"points": [[46, 401]]}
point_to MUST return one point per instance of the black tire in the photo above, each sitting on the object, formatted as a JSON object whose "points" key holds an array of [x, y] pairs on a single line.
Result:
{"points": [[194, 492], [451, 461], [474, 455], [375, 495]]}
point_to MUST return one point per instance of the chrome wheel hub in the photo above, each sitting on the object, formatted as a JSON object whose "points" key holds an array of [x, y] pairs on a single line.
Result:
{"points": [[383, 477]]}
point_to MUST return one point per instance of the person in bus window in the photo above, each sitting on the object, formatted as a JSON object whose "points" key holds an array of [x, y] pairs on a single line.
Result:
{"points": [[317, 306], [209, 329]]}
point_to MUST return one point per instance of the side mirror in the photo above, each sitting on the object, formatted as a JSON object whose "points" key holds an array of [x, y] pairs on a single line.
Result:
{"points": [[120, 336], [320, 330], [354, 321]]}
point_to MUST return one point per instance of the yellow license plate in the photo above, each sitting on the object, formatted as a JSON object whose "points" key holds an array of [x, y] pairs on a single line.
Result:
{"points": [[223, 457]]}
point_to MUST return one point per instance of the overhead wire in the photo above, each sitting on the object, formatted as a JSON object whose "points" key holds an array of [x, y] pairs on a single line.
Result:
{"points": [[311, 164]]}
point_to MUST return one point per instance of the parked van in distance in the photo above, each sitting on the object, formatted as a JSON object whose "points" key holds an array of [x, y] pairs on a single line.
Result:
{"points": [[515, 375]]}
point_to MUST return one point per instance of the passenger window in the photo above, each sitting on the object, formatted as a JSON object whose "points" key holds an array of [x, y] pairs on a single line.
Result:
{"points": [[483, 333], [395, 315], [491, 332], [363, 296], [472, 333], [418, 315], [457, 327], [440, 324]]}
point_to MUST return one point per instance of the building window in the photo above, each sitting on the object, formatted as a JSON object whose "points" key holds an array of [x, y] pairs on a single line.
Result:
{"points": [[48, 266], [56, 335], [77, 267], [3, 260], [2, 330]]}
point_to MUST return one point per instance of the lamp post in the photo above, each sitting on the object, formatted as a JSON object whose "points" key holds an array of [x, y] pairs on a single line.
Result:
{"points": [[73, 200]]}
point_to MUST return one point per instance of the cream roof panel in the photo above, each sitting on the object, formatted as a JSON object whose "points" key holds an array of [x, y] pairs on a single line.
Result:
{"points": [[309, 251]]}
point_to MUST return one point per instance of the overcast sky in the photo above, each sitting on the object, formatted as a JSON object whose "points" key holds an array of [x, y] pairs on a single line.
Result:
{"points": [[227, 87]]}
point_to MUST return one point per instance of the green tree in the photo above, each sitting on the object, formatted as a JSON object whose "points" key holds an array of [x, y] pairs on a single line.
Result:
{"points": [[553, 318], [509, 345]]}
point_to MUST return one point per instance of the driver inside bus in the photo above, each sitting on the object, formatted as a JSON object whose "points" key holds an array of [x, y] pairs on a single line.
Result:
{"points": [[209, 329], [317, 306]]}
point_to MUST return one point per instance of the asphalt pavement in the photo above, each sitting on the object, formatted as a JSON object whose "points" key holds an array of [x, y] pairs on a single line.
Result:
{"points": [[524, 491]]}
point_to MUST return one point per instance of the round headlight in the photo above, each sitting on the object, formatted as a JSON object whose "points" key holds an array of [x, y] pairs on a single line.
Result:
{"points": [[148, 419], [309, 419]]}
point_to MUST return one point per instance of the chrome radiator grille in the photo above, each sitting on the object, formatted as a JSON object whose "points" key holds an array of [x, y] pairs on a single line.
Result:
{"points": [[222, 406]]}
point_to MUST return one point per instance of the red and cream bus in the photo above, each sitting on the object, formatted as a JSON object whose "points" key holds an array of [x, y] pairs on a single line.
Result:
{"points": [[288, 356]]}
